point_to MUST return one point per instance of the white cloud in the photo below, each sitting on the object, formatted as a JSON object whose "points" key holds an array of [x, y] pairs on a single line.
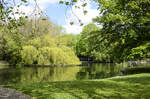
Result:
{"points": [[44, 3], [31, 5], [86, 19], [30, 9], [47, 1], [74, 29], [27, 10]]}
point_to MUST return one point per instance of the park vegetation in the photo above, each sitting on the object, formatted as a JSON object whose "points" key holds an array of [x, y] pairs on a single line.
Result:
{"points": [[38, 42], [124, 34]]}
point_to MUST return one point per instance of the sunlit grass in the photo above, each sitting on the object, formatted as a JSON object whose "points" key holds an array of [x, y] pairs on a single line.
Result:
{"points": [[128, 87]]}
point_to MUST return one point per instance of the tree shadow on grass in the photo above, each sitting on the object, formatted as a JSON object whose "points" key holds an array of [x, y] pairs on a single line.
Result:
{"points": [[144, 80], [94, 89]]}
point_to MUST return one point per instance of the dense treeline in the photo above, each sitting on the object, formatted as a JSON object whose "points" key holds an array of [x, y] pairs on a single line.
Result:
{"points": [[124, 35], [33, 39], [31, 43], [125, 32]]}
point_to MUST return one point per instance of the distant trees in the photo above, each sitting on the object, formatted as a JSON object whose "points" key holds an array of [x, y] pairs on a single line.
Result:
{"points": [[28, 41], [44, 46]]}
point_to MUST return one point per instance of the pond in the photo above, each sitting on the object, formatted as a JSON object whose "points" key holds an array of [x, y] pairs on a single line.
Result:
{"points": [[59, 73]]}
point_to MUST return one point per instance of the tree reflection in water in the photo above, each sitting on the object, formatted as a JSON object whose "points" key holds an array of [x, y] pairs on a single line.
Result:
{"points": [[59, 73]]}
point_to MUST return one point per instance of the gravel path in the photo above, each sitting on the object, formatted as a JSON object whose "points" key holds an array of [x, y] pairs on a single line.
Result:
{"points": [[6, 93]]}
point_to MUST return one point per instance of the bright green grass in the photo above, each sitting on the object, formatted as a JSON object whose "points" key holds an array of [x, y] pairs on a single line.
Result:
{"points": [[129, 87]]}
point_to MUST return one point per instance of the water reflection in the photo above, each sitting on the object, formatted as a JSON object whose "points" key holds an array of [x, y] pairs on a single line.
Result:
{"points": [[99, 71], [49, 74], [40, 74]]}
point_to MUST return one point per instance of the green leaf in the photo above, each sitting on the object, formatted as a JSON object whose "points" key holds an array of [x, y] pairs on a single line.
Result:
{"points": [[81, 24], [67, 3], [26, 16], [71, 23], [79, 20], [61, 2], [24, 1], [74, 0], [85, 4], [85, 12]]}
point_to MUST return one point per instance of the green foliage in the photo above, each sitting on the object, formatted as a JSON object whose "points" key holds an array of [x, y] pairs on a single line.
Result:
{"points": [[74, 0], [124, 32], [11, 43], [71, 23], [44, 56], [11, 40], [54, 50], [57, 56], [142, 51], [24, 45], [36, 42], [123, 23], [85, 45], [29, 55], [69, 52], [48, 41], [69, 40], [61, 2], [48, 51]]}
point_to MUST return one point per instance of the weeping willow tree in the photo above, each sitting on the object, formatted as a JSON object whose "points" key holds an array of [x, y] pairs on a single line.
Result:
{"points": [[49, 56], [48, 51], [29, 54]]}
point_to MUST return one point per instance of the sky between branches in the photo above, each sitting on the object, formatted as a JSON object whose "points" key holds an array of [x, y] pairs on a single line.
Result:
{"points": [[58, 13]]}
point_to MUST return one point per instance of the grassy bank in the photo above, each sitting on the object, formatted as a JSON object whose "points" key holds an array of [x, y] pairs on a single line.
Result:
{"points": [[128, 87], [3, 64]]}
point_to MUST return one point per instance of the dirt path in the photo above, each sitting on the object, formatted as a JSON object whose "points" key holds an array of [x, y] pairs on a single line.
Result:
{"points": [[6, 93]]}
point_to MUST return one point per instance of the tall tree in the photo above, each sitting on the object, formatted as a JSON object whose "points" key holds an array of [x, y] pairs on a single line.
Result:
{"points": [[125, 23], [85, 45]]}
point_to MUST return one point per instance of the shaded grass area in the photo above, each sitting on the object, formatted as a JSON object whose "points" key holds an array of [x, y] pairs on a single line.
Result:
{"points": [[138, 69], [128, 87]]}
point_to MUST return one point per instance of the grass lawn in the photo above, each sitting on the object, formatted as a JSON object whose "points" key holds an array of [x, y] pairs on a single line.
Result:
{"points": [[128, 87]]}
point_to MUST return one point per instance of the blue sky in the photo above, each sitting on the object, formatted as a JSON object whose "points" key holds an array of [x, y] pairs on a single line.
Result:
{"points": [[56, 12]]}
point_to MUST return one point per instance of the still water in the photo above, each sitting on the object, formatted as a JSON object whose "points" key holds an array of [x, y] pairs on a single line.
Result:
{"points": [[59, 73]]}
